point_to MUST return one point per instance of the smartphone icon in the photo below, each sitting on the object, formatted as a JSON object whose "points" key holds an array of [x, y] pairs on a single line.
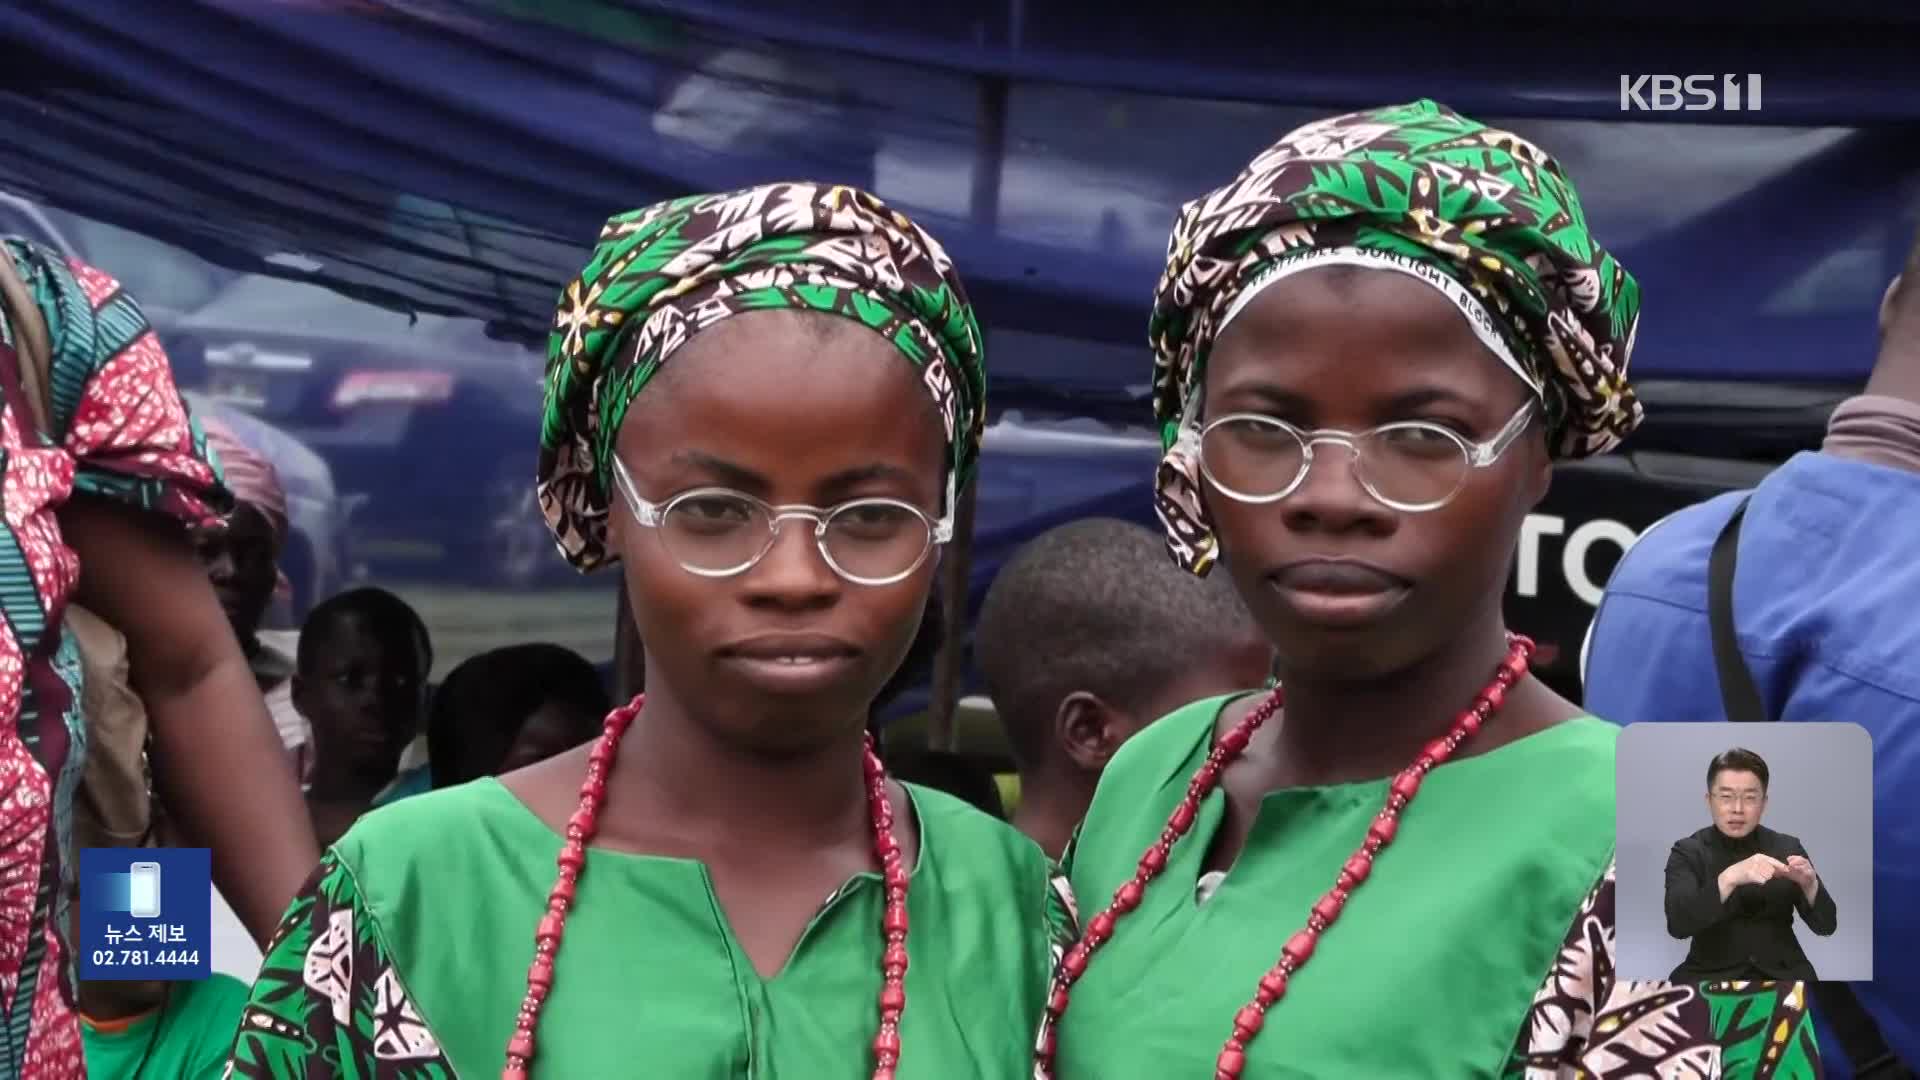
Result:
{"points": [[143, 892]]}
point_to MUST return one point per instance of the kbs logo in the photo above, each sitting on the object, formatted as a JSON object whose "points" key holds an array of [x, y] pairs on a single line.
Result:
{"points": [[1689, 93]]}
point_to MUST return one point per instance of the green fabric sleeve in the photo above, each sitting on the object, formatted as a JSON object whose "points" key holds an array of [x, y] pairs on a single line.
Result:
{"points": [[328, 1002]]}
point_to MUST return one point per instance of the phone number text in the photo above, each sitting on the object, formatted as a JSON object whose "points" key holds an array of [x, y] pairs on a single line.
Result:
{"points": [[145, 957]]}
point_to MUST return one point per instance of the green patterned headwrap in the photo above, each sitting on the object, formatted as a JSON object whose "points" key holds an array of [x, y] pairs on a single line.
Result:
{"points": [[1482, 214], [663, 274]]}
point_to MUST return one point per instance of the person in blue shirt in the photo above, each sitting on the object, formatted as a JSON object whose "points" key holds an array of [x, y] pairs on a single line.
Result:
{"points": [[1826, 605]]}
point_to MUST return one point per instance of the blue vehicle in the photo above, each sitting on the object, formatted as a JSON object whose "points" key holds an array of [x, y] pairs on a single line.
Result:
{"points": [[425, 421], [170, 284]]}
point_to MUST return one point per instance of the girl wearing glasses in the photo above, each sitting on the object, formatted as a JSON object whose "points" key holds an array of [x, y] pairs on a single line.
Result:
{"points": [[761, 404], [1371, 346]]}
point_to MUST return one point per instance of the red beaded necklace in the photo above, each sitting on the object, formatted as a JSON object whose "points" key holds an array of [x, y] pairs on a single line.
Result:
{"points": [[1299, 948], [573, 858]]}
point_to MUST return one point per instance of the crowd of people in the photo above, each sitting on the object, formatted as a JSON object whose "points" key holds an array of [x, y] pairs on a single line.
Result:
{"points": [[1288, 801]]}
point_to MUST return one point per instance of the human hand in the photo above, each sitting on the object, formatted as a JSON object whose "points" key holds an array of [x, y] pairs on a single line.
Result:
{"points": [[1800, 870], [1755, 869]]}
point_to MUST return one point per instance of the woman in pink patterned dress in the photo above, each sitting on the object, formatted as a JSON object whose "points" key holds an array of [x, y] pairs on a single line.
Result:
{"points": [[86, 521]]}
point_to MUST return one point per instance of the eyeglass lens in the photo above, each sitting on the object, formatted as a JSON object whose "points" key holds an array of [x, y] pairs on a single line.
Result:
{"points": [[717, 532], [1413, 464]]}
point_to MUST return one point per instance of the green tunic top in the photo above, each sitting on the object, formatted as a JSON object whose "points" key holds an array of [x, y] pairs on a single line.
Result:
{"points": [[185, 1039], [407, 956], [1469, 951]]}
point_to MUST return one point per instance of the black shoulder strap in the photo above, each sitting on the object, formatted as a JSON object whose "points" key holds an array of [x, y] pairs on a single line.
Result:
{"points": [[1737, 690], [1852, 1025]]}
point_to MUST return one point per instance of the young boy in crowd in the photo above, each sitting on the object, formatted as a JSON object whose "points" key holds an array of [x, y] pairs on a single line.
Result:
{"points": [[360, 680], [1089, 634]]}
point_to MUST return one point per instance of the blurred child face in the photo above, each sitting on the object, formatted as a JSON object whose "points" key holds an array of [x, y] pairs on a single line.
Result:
{"points": [[553, 728], [241, 561], [363, 698]]}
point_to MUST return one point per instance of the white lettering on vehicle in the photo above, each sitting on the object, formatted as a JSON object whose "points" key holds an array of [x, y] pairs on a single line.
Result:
{"points": [[1575, 554]]}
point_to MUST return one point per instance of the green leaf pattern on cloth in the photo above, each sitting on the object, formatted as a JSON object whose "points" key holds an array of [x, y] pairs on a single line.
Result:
{"points": [[1765, 1030], [1587, 1024], [328, 1003]]}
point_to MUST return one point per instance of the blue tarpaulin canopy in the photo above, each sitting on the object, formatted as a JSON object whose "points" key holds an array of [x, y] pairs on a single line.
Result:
{"points": [[458, 157]]}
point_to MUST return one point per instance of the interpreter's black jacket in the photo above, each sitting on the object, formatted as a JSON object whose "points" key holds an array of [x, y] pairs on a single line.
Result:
{"points": [[1750, 935]]}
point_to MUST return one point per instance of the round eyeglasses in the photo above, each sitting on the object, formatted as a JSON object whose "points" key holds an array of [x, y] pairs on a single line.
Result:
{"points": [[718, 532], [1411, 466]]}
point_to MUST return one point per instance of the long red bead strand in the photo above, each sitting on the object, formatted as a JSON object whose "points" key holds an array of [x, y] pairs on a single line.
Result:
{"points": [[1298, 950], [573, 859], [893, 957]]}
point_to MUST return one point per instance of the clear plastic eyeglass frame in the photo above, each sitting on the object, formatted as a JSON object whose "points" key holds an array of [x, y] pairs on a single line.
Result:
{"points": [[1475, 455], [653, 515]]}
